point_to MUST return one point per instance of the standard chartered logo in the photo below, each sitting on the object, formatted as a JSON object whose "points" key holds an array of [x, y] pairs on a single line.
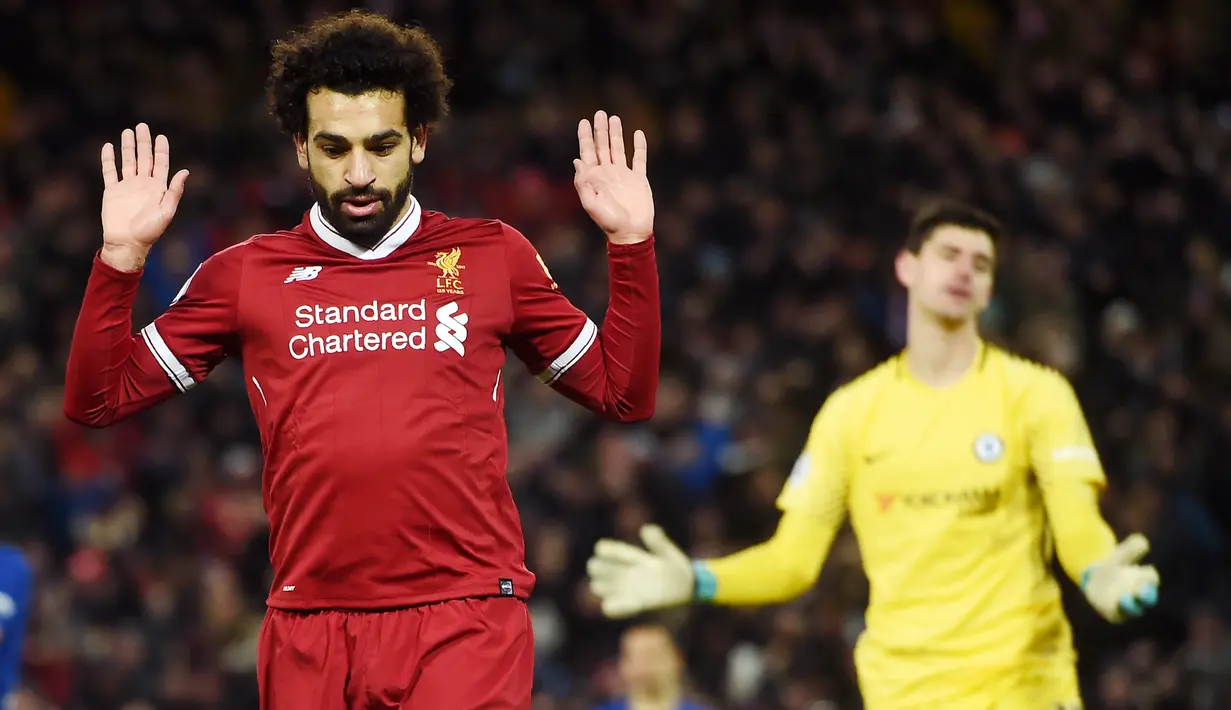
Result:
{"points": [[451, 329], [375, 326]]}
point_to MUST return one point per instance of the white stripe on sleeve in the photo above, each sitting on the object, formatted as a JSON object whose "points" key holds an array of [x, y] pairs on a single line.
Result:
{"points": [[170, 364], [581, 344], [184, 288]]}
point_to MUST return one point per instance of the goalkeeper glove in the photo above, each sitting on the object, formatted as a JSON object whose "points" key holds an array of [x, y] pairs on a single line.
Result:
{"points": [[629, 580], [1117, 587]]}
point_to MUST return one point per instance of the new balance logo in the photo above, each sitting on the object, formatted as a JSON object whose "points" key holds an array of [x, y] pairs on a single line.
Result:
{"points": [[451, 329], [303, 273]]}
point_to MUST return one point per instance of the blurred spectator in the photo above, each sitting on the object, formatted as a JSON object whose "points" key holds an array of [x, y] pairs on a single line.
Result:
{"points": [[651, 672]]}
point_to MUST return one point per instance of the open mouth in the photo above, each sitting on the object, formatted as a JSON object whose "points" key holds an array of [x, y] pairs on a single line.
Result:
{"points": [[360, 206]]}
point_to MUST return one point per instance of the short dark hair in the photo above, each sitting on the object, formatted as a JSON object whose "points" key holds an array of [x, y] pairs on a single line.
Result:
{"points": [[352, 53], [948, 212]]}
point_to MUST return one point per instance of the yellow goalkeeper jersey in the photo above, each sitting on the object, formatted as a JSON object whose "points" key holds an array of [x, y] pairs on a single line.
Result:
{"points": [[944, 490]]}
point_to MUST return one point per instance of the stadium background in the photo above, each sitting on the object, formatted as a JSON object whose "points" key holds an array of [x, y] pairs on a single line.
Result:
{"points": [[787, 144]]}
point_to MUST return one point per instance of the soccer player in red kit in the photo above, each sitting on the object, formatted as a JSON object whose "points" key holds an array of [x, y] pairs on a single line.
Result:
{"points": [[372, 337]]}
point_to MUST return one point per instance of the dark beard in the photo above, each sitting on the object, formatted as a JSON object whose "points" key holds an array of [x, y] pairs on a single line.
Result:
{"points": [[366, 232]]}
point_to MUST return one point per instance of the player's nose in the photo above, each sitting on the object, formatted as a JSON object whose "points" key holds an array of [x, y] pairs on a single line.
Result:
{"points": [[359, 173]]}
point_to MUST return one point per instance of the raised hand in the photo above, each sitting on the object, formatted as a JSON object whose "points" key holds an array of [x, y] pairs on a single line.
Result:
{"points": [[617, 197], [138, 202]]}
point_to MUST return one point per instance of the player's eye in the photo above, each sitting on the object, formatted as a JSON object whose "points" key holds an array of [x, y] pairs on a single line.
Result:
{"points": [[384, 149], [332, 151]]}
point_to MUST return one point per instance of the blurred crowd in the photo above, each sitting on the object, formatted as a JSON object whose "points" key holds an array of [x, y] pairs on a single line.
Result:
{"points": [[788, 142]]}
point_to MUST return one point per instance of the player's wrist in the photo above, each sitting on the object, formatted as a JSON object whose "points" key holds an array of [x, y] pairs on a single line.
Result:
{"points": [[123, 258], [704, 583], [629, 239], [1084, 581]]}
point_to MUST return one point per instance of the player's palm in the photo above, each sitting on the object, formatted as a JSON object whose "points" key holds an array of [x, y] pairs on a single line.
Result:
{"points": [[616, 196], [629, 580], [138, 201]]}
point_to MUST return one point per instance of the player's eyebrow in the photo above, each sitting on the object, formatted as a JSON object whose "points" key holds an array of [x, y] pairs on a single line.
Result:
{"points": [[330, 137], [390, 134], [385, 135]]}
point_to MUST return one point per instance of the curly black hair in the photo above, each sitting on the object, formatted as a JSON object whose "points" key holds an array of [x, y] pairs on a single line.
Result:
{"points": [[352, 53]]}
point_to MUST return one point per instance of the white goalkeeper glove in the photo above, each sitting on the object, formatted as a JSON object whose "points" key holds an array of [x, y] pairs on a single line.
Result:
{"points": [[1117, 587], [629, 580]]}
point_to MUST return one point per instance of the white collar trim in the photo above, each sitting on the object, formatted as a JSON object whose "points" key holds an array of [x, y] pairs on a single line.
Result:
{"points": [[394, 238]]}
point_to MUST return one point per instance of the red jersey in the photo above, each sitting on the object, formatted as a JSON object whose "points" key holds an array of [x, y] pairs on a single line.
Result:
{"points": [[374, 376]]}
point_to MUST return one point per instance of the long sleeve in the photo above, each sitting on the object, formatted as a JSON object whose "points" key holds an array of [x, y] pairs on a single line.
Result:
{"points": [[611, 370], [1069, 474], [1082, 536], [113, 374], [779, 569]]}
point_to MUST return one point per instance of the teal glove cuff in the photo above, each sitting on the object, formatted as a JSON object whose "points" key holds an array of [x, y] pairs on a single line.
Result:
{"points": [[1131, 605], [705, 584]]}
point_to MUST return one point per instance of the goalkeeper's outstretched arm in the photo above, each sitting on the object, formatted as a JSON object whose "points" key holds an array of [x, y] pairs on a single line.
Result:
{"points": [[1070, 478], [629, 580], [775, 571], [1112, 577], [1082, 536]]}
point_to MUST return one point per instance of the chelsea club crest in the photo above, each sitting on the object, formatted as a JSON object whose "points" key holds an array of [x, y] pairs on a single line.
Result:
{"points": [[989, 448]]}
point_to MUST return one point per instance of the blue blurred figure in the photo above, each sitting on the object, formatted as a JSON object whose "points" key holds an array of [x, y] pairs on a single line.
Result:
{"points": [[653, 672], [16, 585]]}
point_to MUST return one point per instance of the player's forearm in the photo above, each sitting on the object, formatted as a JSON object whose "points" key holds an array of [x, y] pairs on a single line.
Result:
{"points": [[618, 377], [775, 571], [104, 383], [1082, 536]]}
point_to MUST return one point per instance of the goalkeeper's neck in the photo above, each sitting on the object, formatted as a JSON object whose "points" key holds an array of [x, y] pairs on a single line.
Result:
{"points": [[659, 696], [939, 353]]}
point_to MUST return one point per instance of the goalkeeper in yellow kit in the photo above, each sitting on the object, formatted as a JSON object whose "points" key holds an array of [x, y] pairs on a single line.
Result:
{"points": [[962, 468]]}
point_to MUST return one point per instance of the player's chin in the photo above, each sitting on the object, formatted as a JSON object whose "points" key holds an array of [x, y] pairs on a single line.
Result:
{"points": [[960, 305], [954, 314], [363, 230], [365, 224]]}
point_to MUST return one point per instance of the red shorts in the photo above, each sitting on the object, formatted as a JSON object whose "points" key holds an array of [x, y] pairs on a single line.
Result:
{"points": [[457, 655]]}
